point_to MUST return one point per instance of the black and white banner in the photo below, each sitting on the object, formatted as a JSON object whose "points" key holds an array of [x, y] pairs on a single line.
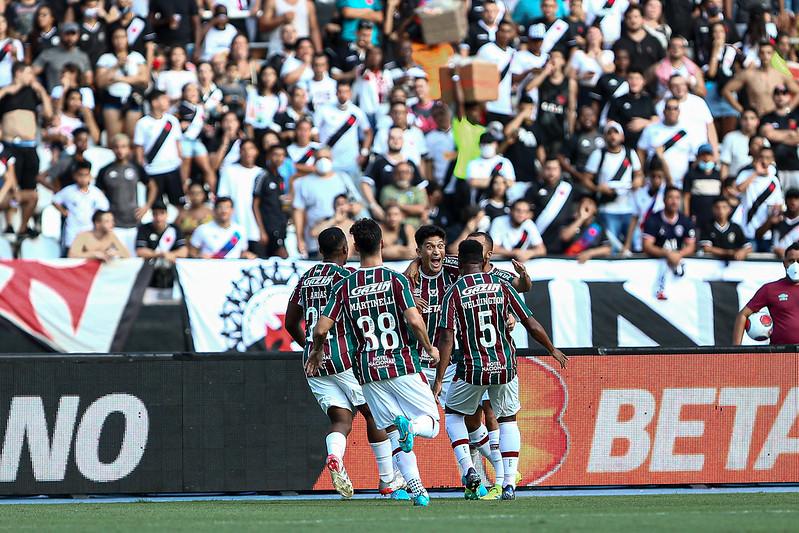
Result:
{"points": [[240, 305], [73, 305]]}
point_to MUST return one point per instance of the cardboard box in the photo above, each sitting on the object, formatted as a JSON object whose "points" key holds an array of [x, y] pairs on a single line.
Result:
{"points": [[479, 79], [443, 24]]}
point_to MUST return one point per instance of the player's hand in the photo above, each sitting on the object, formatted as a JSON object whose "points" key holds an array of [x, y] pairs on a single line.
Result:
{"points": [[560, 357], [435, 357], [437, 387], [313, 363], [422, 304], [510, 322], [519, 267]]}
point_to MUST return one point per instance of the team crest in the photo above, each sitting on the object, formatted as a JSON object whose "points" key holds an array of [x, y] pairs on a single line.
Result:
{"points": [[783, 297]]}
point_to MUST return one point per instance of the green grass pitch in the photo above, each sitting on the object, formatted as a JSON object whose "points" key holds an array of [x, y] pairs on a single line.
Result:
{"points": [[770, 512]]}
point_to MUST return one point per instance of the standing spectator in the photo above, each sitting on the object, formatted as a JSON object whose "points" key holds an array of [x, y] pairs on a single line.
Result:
{"points": [[481, 169], [467, 130], [263, 104], [312, 203], [345, 129], [422, 108], [100, 242], [702, 36], [655, 22], [759, 83], [720, 68], [217, 36], [226, 143], [786, 231], [578, 148], [724, 239], [381, 173], [694, 112], [648, 200], [267, 204], [634, 110], [558, 32], [69, 118], [285, 121], [301, 14], [372, 85], [176, 22], [414, 146], [670, 235], [607, 16], [521, 146], [485, 29], [180, 73], [354, 11], [140, 34], [119, 181], [192, 116], [19, 103], [779, 127], [671, 141], [302, 152], [557, 103], [735, 146], [51, 61], [221, 238], [321, 87], [761, 198], [644, 49], [71, 79], [78, 202], [676, 62], [585, 238], [43, 34], [516, 235], [237, 182], [501, 53], [241, 14], [157, 138], [587, 64], [441, 144], [411, 200], [11, 51], [8, 184], [701, 187], [122, 75], [398, 241], [614, 173], [93, 35], [553, 205], [613, 84], [60, 173], [196, 213], [161, 243], [495, 202]]}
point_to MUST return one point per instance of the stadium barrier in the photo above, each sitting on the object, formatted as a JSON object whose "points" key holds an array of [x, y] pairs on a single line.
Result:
{"points": [[155, 423]]}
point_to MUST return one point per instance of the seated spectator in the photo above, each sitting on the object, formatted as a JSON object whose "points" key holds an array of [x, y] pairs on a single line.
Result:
{"points": [[495, 202], [724, 239], [268, 199], [237, 182], [735, 145], [552, 202], [672, 141], [196, 213], [78, 202], [99, 243], [162, 244], [701, 187], [411, 200], [221, 238], [786, 231], [480, 170], [119, 182], [761, 198], [516, 235], [398, 241], [670, 235], [585, 238]]}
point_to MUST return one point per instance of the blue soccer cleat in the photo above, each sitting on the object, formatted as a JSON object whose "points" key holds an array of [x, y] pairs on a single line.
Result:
{"points": [[421, 500], [405, 434], [471, 480], [401, 495], [508, 493]]}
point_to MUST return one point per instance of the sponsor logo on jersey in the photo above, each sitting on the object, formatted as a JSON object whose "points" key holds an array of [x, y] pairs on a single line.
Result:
{"points": [[480, 289], [783, 297], [374, 288], [318, 281]]}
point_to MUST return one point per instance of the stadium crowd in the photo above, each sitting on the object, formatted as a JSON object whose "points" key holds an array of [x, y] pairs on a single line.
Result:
{"points": [[223, 129]]}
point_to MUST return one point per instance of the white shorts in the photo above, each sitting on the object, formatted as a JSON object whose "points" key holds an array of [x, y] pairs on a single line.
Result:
{"points": [[408, 395], [464, 397], [449, 373], [338, 390]]}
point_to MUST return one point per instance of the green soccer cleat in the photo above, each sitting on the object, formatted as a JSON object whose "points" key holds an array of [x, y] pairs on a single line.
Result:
{"points": [[518, 478], [469, 494], [406, 436], [494, 493]]}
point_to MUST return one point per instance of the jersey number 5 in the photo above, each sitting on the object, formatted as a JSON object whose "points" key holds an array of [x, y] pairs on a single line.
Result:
{"points": [[489, 333]]}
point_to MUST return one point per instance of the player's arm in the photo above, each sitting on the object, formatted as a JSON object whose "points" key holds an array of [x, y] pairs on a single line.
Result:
{"points": [[418, 326], [323, 326], [523, 283], [446, 341], [294, 323], [738, 328], [536, 331]]}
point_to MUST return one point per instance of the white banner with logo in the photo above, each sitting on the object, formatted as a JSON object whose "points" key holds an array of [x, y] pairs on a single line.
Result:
{"points": [[239, 305]]}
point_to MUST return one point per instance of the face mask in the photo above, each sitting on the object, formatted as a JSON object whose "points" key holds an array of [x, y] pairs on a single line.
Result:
{"points": [[706, 166], [487, 151], [323, 166], [90, 12], [793, 272]]}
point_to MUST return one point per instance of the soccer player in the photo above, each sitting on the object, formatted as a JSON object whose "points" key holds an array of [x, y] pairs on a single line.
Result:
{"points": [[334, 385], [379, 303], [477, 306]]}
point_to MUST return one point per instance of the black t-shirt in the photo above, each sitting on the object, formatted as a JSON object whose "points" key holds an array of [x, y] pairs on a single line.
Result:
{"points": [[539, 197], [670, 235], [477, 36], [345, 57], [678, 16], [553, 102], [287, 120], [579, 147], [729, 237], [627, 107], [590, 235], [25, 98], [643, 54], [139, 31], [93, 41], [784, 154], [606, 86], [269, 187], [702, 37], [567, 39], [119, 182], [493, 209], [149, 237], [704, 189], [521, 154], [163, 10], [381, 173]]}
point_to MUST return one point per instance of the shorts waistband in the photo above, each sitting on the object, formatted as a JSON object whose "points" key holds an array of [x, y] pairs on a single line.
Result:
{"points": [[22, 144]]}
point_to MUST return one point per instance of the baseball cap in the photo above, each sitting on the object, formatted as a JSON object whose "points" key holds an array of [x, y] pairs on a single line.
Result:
{"points": [[487, 138], [704, 149], [69, 27], [613, 125], [537, 31]]}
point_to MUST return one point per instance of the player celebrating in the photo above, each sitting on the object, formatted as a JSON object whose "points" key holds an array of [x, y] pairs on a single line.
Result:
{"points": [[378, 302], [334, 385], [477, 305]]}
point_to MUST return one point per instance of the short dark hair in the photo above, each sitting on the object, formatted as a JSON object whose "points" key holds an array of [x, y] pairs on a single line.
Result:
{"points": [[794, 247], [367, 236], [79, 131], [720, 199], [791, 193], [729, 182], [470, 252], [81, 165], [223, 199], [634, 7], [520, 201], [98, 215], [671, 188], [16, 67], [427, 231], [635, 71], [484, 235], [155, 93], [331, 241]]}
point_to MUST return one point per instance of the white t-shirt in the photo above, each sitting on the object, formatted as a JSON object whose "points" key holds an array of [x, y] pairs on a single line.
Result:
{"points": [[146, 133], [322, 92], [261, 110], [414, 145], [291, 64], [681, 152], [346, 150], [14, 52], [223, 243], [439, 143], [217, 40], [482, 168], [583, 64], [623, 204], [172, 82], [131, 68], [494, 54], [524, 237], [761, 185], [296, 152], [735, 151], [610, 17], [316, 196], [237, 182], [86, 95], [694, 113], [81, 206]]}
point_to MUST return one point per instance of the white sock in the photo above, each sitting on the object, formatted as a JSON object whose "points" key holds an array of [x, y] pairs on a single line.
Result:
{"points": [[406, 462], [480, 444], [336, 444], [424, 426], [496, 457], [459, 437], [510, 441], [385, 462]]}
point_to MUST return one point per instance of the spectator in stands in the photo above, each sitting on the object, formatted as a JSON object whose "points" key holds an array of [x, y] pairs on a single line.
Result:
{"points": [[343, 218], [221, 238], [411, 200], [354, 11], [92, 38], [495, 202], [224, 147], [578, 148], [589, 62], [157, 138], [398, 242], [422, 108], [520, 147], [694, 112], [263, 104], [179, 73], [72, 115], [722, 64], [786, 224], [176, 22], [196, 213], [161, 243], [724, 239], [297, 68], [268, 200], [676, 62], [703, 36], [50, 62], [648, 200], [761, 198], [516, 235], [557, 103], [346, 130], [237, 182], [372, 84], [321, 87], [481, 169], [141, 36], [672, 141], [71, 78], [655, 22], [21, 104], [12, 52], [670, 235], [501, 53], [701, 187], [41, 28], [300, 14], [381, 172], [100, 242], [584, 238], [119, 182], [441, 144], [78, 202], [552, 203], [779, 127], [285, 121], [302, 151], [217, 36], [558, 31], [634, 110], [759, 84], [644, 49], [484, 30], [8, 185], [611, 85], [414, 147], [735, 146]]}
